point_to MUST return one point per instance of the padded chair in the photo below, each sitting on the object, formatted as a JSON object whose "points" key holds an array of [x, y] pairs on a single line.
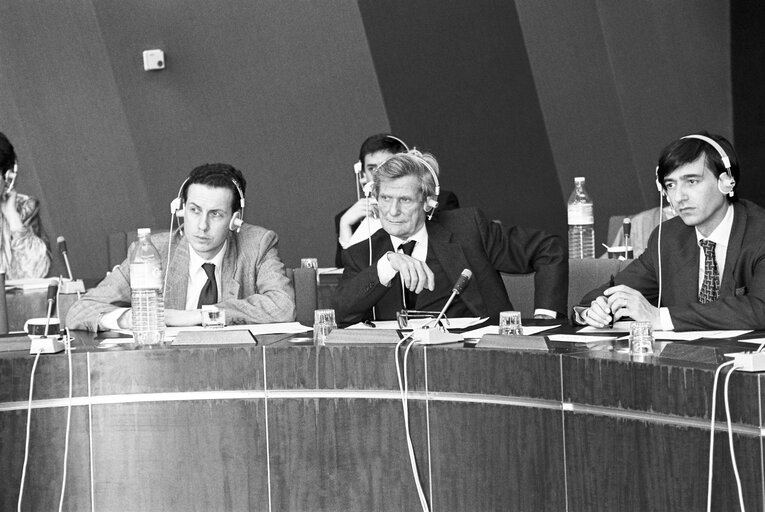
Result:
{"points": [[583, 276], [306, 293]]}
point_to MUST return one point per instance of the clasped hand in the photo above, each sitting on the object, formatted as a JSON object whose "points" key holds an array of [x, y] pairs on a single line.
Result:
{"points": [[621, 301], [416, 275]]}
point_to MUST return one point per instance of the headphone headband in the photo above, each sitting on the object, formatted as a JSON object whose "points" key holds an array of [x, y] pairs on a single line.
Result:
{"points": [[714, 144]]}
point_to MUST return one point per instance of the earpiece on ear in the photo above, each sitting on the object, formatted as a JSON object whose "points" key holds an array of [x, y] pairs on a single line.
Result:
{"points": [[430, 204], [368, 188], [357, 167], [176, 207], [725, 184], [236, 221]]}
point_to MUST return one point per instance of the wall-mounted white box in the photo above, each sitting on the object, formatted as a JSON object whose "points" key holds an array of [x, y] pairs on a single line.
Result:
{"points": [[153, 59]]}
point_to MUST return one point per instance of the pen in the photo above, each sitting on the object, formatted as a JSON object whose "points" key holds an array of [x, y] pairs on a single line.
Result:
{"points": [[611, 285]]}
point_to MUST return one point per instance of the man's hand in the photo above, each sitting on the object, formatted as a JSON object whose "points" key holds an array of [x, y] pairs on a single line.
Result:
{"points": [[125, 321], [358, 211], [173, 318], [621, 301], [8, 208], [416, 274], [183, 317]]}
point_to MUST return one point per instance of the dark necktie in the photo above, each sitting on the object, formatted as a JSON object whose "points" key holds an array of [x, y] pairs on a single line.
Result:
{"points": [[209, 293], [710, 287], [410, 298]]}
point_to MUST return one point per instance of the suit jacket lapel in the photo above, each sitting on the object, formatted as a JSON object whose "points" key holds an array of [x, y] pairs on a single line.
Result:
{"points": [[685, 266], [453, 260], [735, 242], [229, 286]]}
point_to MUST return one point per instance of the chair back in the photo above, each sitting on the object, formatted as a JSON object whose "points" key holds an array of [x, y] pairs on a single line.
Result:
{"points": [[306, 293]]}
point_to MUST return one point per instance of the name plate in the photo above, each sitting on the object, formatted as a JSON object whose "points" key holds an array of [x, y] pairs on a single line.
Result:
{"points": [[215, 337], [363, 337], [514, 342]]}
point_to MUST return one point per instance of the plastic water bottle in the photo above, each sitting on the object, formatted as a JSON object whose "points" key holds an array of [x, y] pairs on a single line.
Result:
{"points": [[146, 284], [581, 223]]}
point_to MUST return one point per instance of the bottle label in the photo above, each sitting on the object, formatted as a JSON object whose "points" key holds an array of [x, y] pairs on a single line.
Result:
{"points": [[145, 276], [580, 213]]}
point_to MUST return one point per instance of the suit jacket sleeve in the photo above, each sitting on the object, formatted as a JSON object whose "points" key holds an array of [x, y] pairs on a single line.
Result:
{"points": [[360, 288], [518, 250], [111, 293], [273, 299]]}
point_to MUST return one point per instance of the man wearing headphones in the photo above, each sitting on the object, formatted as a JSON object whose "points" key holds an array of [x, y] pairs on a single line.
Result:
{"points": [[374, 151], [23, 250], [705, 268], [215, 258], [415, 262]]}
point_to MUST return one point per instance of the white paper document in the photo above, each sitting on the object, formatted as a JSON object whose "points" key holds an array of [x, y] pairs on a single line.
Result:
{"points": [[696, 335], [255, 329]]}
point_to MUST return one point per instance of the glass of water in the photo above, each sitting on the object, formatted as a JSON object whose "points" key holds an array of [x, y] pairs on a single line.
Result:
{"points": [[510, 323], [323, 324], [641, 338]]}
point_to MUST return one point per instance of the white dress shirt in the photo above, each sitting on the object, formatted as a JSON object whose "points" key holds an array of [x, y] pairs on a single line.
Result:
{"points": [[198, 276]]}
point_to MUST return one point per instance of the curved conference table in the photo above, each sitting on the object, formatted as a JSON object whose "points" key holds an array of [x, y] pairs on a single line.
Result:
{"points": [[278, 426]]}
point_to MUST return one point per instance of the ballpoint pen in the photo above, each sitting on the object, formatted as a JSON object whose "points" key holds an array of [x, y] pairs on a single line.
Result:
{"points": [[611, 285]]}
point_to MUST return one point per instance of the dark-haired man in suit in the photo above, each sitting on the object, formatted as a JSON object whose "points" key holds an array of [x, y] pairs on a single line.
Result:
{"points": [[215, 259], [708, 262], [415, 262]]}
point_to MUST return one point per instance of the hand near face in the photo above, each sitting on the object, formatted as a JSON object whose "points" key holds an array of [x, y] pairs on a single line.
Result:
{"points": [[9, 211], [359, 210]]}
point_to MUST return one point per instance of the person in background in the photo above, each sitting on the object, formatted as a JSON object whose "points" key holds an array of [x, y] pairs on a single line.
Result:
{"points": [[416, 261], [215, 259], [708, 263], [374, 151], [24, 251]]}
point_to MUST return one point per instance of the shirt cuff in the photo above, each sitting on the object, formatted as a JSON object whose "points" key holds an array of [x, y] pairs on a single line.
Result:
{"points": [[579, 314], [110, 320], [385, 272], [666, 320], [547, 312]]}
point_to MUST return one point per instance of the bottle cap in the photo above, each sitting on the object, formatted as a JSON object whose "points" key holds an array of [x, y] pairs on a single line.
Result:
{"points": [[578, 179], [144, 231]]}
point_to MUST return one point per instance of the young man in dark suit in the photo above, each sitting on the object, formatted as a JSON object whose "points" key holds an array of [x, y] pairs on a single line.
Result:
{"points": [[414, 261], [708, 263]]}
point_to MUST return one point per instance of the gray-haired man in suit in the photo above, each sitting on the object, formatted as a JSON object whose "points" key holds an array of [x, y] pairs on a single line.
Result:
{"points": [[214, 258]]}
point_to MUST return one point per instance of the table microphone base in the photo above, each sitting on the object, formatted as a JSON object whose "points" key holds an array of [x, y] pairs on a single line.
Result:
{"points": [[46, 344], [435, 337], [76, 286]]}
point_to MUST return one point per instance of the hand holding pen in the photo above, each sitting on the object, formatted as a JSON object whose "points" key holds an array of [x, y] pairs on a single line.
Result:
{"points": [[613, 313]]}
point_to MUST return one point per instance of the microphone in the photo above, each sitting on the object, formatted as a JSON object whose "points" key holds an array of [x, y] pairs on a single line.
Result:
{"points": [[434, 336], [627, 228], [62, 249], [44, 344], [52, 291], [73, 285]]}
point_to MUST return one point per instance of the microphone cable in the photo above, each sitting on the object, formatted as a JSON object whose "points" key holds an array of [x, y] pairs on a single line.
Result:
{"points": [[404, 389], [68, 347], [26, 442], [730, 435]]}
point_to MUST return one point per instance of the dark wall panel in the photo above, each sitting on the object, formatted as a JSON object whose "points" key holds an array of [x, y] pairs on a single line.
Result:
{"points": [[282, 89], [617, 81], [748, 75], [456, 81]]}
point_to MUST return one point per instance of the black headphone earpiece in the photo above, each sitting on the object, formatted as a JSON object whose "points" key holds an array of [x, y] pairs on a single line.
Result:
{"points": [[178, 207]]}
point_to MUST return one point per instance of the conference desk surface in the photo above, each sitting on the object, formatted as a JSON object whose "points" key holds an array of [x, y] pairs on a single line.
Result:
{"points": [[282, 426]]}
